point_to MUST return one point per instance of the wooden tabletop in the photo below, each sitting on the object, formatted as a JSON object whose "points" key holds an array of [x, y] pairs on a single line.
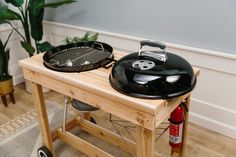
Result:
{"points": [[95, 81]]}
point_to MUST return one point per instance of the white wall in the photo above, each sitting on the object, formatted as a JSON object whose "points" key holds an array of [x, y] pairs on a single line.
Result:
{"points": [[208, 24]]}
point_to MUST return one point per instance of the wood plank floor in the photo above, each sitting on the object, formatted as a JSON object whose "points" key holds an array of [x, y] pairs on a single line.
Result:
{"points": [[200, 142]]}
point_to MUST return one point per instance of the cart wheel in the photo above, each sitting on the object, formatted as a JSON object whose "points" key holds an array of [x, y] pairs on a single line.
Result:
{"points": [[93, 120], [44, 152]]}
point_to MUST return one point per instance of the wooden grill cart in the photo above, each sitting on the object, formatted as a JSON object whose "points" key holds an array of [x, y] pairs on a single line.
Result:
{"points": [[93, 87]]}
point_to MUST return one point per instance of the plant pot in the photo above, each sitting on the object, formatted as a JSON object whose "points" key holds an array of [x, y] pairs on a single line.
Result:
{"points": [[6, 86], [28, 87]]}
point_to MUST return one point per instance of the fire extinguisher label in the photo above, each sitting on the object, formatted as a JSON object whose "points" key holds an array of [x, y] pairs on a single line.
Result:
{"points": [[176, 131]]}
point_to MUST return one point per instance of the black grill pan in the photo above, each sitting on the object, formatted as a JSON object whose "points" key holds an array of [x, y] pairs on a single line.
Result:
{"points": [[78, 57]]}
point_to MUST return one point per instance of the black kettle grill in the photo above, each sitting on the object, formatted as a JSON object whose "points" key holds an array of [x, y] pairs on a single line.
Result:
{"points": [[152, 74]]}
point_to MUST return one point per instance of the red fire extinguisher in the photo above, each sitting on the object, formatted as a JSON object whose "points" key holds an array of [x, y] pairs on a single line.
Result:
{"points": [[176, 127]]}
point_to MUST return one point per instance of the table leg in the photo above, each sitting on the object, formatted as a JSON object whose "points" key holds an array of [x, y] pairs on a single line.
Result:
{"points": [[180, 152], [39, 103], [145, 142], [86, 115], [12, 97], [4, 100]]}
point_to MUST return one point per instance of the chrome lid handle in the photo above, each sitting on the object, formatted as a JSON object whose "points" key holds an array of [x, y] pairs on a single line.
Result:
{"points": [[162, 46], [152, 44]]}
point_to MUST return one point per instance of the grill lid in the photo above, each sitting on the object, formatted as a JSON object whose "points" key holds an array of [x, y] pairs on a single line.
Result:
{"points": [[163, 75]]}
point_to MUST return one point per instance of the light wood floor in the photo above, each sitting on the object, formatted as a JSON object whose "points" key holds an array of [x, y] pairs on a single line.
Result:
{"points": [[200, 142]]}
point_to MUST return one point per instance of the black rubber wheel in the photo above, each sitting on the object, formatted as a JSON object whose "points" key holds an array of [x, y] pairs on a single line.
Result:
{"points": [[44, 152], [93, 120]]}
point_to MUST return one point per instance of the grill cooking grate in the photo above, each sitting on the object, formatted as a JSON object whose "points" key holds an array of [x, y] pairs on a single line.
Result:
{"points": [[78, 56]]}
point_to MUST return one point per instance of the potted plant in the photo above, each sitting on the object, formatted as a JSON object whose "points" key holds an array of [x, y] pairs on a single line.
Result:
{"points": [[30, 14], [89, 36], [6, 83]]}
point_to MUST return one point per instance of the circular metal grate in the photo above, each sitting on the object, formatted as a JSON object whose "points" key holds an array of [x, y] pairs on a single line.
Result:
{"points": [[78, 57]]}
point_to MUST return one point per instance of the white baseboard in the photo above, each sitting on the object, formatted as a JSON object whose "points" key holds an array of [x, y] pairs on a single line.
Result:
{"points": [[212, 106], [16, 72], [213, 117], [18, 79], [213, 125]]}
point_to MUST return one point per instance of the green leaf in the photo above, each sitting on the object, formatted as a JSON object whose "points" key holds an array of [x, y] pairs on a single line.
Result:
{"points": [[6, 62], [1, 46], [3, 21], [57, 4], [8, 38], [89, 36], [16, 3], [36, 24], [29, 48], [35, 6], [4, 59], [85, 37], [7, 14], [1, 67], [1, 59], [45, 46], [67, 40], [92, 37]]}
